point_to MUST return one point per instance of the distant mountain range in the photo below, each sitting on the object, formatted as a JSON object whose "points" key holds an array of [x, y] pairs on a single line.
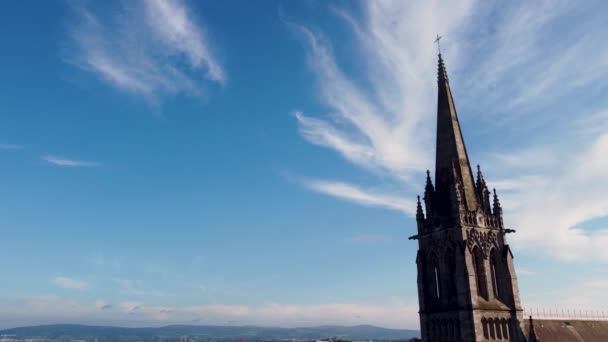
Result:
{"points": [[173, 332]]}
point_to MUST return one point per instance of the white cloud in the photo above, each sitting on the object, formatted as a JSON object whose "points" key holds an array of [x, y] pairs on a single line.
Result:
{"points": [[529, 55], [393, 313], [385, 128], [361, 196], [69, 283], [49, 304], [133, 288], [65, 162], [150, 48], [179, 32], [529, 70], [577, 298], [549, 213]]}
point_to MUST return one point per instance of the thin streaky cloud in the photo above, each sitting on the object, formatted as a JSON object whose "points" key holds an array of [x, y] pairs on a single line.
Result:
{"points": [[521, 77], [361, 196], [69, 283], [381, 129], [133, 288], [162, 52], [65, 162], [178, 30], [391, 313]]}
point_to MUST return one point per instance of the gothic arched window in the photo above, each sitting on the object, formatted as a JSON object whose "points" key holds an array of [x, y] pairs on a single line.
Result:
{"points": [[494, 272], [486, 332], [505, 329], [492, 328], [436, 280], [451, 328], [436, 277], [480, 273], [498, 329], [450, 262]]}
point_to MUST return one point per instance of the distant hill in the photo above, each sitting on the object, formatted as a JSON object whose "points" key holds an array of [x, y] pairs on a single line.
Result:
{"points": [[173, 332]]}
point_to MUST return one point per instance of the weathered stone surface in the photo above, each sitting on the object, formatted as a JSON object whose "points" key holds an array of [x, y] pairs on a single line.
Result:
{"points": [[467, 286], [569, 330], [466, 280]]}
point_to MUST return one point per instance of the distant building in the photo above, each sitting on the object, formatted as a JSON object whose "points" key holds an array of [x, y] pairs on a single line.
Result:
{"points": [[557, 329], [467, 286]]}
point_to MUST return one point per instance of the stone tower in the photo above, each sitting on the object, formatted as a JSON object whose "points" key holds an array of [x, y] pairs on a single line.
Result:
{"points": [[467, 287]]}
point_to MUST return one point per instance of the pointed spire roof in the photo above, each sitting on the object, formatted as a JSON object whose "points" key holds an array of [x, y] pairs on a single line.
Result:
{"points": [[450, 143], [429, 183], [496, 203], [480, 181], [419, 212]]}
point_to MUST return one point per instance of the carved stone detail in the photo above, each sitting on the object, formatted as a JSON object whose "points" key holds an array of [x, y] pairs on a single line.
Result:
{"points": [[484, 240]]}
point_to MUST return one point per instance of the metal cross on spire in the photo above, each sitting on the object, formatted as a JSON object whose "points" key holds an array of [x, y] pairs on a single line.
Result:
{"points": [[438, 41]]}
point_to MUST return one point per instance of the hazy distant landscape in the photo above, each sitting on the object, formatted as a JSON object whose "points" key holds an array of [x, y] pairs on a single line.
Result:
{"points": [[303, 171], [205, 333]]}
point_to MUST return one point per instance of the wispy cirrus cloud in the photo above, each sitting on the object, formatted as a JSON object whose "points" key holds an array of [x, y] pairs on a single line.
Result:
{"points": [[150, 48], [530, 56], [524, 75], [552, 217], [133, 288], [65, 162], [365, 197], [380, 124], [69, 283]]}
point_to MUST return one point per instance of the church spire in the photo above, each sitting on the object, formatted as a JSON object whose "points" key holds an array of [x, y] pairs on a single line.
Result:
{"points": [[461, 241], [429, 195], [483, 194], [450, 144], [419, 212]]}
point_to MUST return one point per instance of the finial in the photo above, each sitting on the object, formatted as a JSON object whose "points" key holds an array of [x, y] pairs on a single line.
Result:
{"points": [[496, 202], [438, 41], [419, 212], [481, 183], [429, 183], [442, 74]]}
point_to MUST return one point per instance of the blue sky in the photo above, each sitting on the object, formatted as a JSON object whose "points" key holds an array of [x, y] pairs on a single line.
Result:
{"points": [[257, 162]]}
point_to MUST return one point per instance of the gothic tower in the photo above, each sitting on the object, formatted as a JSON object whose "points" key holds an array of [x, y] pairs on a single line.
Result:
{"points": [[467, 287]]}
